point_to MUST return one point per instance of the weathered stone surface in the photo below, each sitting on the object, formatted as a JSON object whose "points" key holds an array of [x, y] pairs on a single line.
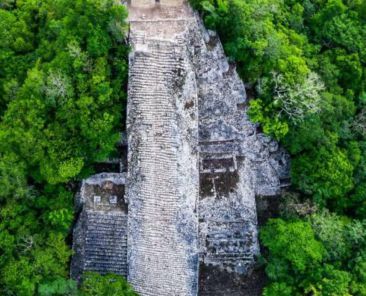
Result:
{"points": [[152, 3], [236, 162], [195, 165], [100, 235], [162, 186], [185, 94]]}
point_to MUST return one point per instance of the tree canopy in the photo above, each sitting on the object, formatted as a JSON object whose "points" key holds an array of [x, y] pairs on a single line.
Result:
{"points": [[63, 72]]}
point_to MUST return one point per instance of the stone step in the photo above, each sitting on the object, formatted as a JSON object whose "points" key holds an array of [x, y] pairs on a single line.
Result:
{"points": [[105, 243]]}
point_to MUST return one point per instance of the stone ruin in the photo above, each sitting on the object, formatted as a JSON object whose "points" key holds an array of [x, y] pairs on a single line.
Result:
{"points": [[100, 235], [143, 4], [195, 165]]}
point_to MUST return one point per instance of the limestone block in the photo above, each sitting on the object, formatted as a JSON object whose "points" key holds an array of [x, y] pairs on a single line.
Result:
{"points": [[142, 3], [171, 2]]}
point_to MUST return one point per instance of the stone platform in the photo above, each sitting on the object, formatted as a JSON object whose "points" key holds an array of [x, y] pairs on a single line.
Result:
{"points": [[195, 165]]}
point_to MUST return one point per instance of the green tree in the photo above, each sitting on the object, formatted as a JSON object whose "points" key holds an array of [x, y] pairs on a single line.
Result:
{"points": [[294, 248], [327, 174], [295, 39], [97, 285], [63, 70]]}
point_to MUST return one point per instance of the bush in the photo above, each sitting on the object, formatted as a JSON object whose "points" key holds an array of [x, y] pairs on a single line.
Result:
{"points": [[112, 285]]}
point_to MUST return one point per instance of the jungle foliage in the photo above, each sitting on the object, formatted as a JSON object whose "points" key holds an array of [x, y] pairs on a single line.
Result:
{"points": [[63, 68], [305, 62]]}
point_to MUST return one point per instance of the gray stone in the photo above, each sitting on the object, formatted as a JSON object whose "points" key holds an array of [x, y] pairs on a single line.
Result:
{"points": [[195, 165], [100, 234]]}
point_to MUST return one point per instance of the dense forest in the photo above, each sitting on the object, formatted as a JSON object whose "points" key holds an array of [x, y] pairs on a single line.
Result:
{"points": [[304, 64], [63, 68]]}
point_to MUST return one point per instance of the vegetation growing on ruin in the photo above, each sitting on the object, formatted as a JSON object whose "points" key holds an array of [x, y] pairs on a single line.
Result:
{"points": [[63, 69], [305, 63], [110, 284], [62, 74]]}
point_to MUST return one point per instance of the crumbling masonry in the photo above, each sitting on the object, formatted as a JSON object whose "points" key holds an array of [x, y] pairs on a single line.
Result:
{"points": [[195, 164]]}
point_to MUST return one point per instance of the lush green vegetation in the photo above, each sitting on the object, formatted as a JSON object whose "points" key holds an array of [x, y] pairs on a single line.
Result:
{"points": [[111, 285], [62, 75], [93, 284], [322, 254], [63, 66], [305, 61]]}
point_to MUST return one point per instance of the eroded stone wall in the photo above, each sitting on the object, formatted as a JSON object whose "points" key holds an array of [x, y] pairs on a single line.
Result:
{"points": [[183, 90], [236, 162], [100, 235]]}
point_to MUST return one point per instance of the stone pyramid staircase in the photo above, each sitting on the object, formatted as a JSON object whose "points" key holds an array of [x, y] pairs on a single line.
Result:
{"points": [[100, 241], [106, 242], [163, 257]]}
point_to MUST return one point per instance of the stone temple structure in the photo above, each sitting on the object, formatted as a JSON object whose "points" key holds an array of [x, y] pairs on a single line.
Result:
{"points": [[195, 165], [100, 238]]}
